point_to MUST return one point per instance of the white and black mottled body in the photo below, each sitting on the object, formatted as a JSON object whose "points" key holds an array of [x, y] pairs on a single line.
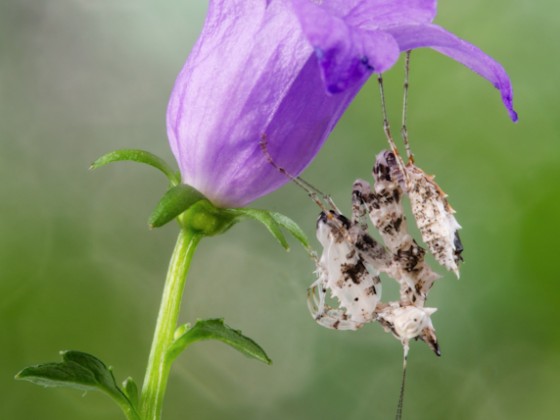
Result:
{"points": [[409, 322], [351, 262], [385, 209], [434, 217], [350, 265], [348, 268]]}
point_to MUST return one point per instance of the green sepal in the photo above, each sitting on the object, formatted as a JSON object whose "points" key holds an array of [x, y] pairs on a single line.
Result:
{"points": [[141, 156], [291, 227], [80, 371], [215, 329], [273, 221], [131, 391], [267, 220], [174, 202]]}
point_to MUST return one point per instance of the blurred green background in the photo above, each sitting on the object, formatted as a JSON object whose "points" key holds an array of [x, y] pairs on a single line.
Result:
{"points": [[79, 268]]}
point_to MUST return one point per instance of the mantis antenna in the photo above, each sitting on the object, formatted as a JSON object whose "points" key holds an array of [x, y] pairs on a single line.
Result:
{"points": [[398, 416], [404, 131], [387, 128]]}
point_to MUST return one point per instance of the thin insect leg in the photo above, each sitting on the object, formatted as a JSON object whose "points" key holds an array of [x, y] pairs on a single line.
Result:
{"points": [[398, 416], [324, 315], [316, 294], [333, 318], [387, 128], [314, 302], [404, 130], [361, 191], [312, 191], [315, 190], [313, 256]]}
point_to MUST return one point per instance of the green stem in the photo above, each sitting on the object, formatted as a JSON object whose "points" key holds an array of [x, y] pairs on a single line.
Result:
{"points": [[159, 364], [124, 403]]}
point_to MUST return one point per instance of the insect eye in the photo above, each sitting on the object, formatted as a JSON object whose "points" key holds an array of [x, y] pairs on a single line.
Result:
{"points": [[390, 157], [322, 218]]}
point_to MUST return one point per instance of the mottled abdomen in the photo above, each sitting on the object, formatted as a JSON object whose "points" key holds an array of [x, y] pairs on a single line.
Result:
{"points": [[357, 288], [434, 217], [385, 208], [408, 323]]}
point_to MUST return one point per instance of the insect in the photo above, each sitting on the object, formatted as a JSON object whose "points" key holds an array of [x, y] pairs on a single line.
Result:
{"points": [[350, 265]]}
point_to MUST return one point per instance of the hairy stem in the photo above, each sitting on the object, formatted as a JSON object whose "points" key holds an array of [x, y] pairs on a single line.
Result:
{"points": [[159, 364]]}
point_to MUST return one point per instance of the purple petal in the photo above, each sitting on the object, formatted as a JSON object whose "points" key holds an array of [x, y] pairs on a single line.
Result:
{"points": [[379, 14], [228, 32], [347, 54], [416, 36], [374, 14], [251, 73], [300, 125]]}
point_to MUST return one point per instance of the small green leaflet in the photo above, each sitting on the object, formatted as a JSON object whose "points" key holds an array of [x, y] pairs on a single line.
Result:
{"points": [[140, 156], [273, 221], [215, 329], [174, 202]]}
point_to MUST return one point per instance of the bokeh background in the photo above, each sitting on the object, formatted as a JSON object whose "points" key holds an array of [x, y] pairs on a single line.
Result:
{"points": [[79, 268]]}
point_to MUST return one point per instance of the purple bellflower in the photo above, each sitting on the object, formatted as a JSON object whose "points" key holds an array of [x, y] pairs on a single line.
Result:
{"points": [[288, 69]]}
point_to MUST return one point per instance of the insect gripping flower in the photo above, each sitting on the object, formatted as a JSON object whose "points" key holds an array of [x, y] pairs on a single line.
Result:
{"points": [[287, 70]]}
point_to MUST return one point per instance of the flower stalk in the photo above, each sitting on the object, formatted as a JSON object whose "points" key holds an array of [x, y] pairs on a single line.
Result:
{"points": [[159, 362]]}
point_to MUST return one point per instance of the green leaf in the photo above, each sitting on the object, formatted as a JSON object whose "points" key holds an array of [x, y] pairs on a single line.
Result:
{"points": [[141, 156], [273, 221], [174, 202], [215, 329], [266, 218], [131, 391], [80, 371], [291, 227]]}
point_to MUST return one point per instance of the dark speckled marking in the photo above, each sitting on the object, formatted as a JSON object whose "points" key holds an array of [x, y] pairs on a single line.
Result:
{"points": [[458, 247], [343, 219], [353, 272], [371, 291]]}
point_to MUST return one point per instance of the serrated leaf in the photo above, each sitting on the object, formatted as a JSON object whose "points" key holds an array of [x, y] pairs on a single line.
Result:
{"points": [[266, 218], [215, 329], [174, 202], [80, 371], [140, 156]]}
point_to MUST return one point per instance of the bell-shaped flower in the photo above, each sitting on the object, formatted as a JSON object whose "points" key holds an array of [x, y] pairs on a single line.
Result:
{"points": [[286, 70]]}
